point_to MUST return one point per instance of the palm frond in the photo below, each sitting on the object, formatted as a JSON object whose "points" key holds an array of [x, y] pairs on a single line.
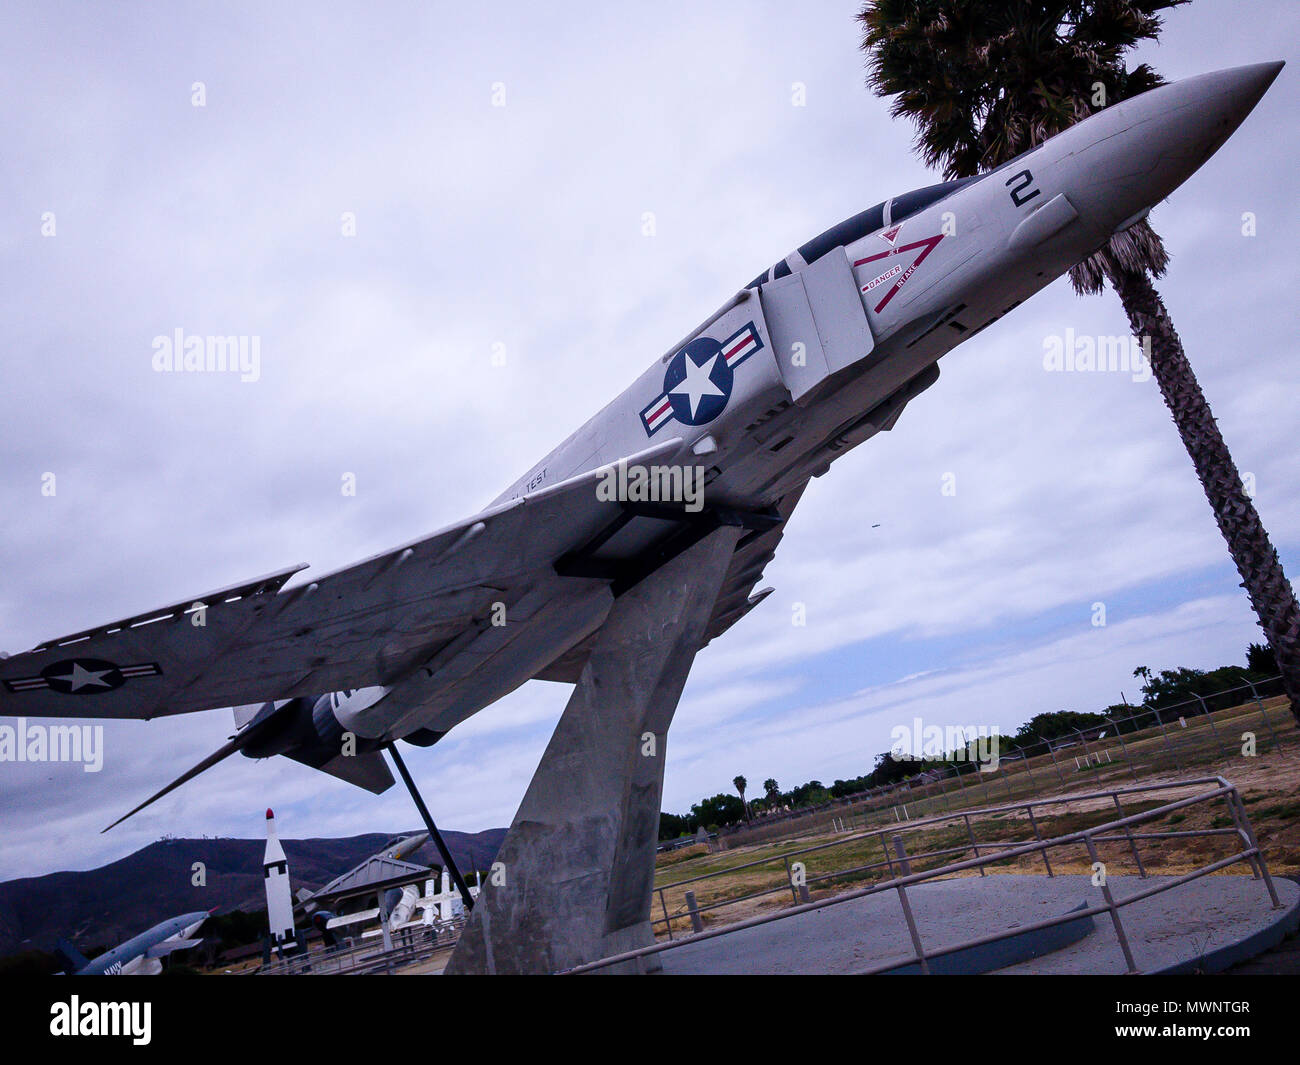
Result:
{"points": [[984, 80]]}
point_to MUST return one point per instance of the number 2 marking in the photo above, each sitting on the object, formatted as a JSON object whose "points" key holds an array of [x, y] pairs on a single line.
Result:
{"points": [[1016, 196]]}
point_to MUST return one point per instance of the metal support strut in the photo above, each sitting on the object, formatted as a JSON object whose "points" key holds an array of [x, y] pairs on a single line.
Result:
{"points": [[447, 860], [576, 869]]}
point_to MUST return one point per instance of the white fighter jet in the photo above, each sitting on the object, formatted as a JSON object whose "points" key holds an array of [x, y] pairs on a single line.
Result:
{"points": [[814, 356], [140, 955]]}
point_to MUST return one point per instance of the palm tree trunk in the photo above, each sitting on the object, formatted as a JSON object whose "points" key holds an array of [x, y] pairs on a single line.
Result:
{"points": [[1270, 592]]}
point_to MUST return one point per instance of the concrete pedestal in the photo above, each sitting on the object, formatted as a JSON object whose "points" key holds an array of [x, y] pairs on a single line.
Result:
{"points": [[573, 880]]}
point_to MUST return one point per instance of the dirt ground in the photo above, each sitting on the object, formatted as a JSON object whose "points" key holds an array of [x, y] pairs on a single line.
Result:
{"points": [[1269, 784]]}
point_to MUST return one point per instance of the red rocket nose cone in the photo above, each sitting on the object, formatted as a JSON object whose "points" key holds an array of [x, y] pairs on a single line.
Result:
{"points": [[270, 814]]}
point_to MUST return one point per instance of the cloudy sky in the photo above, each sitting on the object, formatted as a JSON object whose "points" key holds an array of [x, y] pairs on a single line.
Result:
{"points": [[518, 229]]}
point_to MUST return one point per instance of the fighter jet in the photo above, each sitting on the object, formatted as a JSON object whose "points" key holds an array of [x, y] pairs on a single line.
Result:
{"points": [[404, 846], [140, 956], [811, 358]]}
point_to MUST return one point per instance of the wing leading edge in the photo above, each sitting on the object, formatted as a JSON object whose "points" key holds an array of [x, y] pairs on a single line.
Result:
{"points": [[368, 624]]}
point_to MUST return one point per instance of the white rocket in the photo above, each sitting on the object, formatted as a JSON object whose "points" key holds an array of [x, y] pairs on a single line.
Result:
{"points": [[279, 900]]}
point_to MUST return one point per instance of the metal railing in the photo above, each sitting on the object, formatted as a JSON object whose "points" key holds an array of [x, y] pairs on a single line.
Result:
{"points": [[1178, 736], [367, 955], [1116, 831]]}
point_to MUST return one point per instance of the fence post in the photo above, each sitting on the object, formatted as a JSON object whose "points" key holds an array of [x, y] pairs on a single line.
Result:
{"points": [[1110, 904], [1165, 732], [1087, 751], [1235, 797], [1029, 809], [1052, 751], [1262, 712], [1241, 831], [1124, 747], [697, 922], [973, 845], [1119, 809], [1024, 761], [943, 790], [1210, 720], [960, 779], [907, 907], [668, 921]]}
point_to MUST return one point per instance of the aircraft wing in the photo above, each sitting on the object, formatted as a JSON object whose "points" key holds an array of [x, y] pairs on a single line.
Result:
{"points": [[167, 946], [371, 623], [735, 599]]}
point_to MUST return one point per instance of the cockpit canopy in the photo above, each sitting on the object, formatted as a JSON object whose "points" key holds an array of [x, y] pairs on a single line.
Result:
{"points": [[889, 213]]}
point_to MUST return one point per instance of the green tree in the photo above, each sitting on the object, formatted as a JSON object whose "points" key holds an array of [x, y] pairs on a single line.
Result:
{"points": [[1057, 723], [718, 810], [890, 770], [1260, 660], [671, 826], [772, 790], [984, 81], [807, 794]]}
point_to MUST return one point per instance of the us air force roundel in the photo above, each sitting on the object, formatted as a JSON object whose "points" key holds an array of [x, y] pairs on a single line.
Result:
{"points": [[699, 378], [82, 676]]}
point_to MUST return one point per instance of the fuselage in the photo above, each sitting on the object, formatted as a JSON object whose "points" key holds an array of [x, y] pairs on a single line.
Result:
{"points": [[826, 347], [960, 261], [141, 955]]}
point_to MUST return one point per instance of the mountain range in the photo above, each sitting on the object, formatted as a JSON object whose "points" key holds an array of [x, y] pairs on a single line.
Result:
{"points": [[102, 907]]}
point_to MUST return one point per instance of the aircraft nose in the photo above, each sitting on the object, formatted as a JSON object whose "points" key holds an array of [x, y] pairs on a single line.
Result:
{"points": [[1145, 147], [1187, 121], [1244, 87], [1228, 96]]}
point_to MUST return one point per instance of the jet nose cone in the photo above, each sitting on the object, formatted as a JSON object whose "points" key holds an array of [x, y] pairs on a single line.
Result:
{"points": [[1213, 106], [1241, 88], [1143, 148]]}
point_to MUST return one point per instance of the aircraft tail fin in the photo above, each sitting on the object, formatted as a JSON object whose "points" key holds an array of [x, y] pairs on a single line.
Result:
{"points": [[244, 714], [368, 771], [72, 959]]}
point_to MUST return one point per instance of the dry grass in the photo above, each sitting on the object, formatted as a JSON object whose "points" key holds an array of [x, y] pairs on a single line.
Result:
{"points": [[1201, 747]]}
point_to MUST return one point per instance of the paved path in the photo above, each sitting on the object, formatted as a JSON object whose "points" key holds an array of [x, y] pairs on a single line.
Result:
{"points": [[1282, 960], [1189, 925]]}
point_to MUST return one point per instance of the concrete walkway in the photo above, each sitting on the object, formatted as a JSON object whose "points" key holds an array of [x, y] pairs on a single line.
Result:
{"points": [[1210, 923]]}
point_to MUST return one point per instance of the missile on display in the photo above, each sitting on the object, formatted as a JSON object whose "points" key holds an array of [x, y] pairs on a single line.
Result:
{"points": [[279, 899]]}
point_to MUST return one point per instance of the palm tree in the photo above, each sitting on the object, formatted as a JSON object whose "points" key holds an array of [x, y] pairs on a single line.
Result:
{"points": [[772, 790], [983, 81], [741, 784]]}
